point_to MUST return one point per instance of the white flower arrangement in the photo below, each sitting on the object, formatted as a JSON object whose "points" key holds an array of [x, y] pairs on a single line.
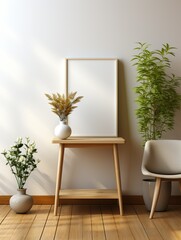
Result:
{"points": [[21, 160]]}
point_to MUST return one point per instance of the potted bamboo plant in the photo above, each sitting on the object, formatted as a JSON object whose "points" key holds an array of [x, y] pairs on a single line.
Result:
{"points": [[157, 95]]}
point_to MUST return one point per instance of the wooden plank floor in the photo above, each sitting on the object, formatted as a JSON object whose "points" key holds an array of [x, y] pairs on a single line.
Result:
{"points": [[90, 222]]}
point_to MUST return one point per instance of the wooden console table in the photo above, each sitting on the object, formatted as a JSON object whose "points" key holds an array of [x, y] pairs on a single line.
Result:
{"points": [[88, 193]]}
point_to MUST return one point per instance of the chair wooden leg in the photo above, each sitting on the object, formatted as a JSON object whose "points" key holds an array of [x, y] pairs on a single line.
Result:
{"points": [[155, 196]]}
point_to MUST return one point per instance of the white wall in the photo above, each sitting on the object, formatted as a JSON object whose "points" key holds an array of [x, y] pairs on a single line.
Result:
{"points": [[35, 36]]}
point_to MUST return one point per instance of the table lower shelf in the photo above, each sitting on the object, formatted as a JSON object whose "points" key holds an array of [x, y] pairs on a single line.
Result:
{"points": [[88, 194]]}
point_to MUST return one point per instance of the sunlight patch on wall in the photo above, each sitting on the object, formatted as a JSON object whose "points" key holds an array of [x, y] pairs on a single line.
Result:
{"points": [[34, 123], [11, 68], [45, 55], [9, 34], [10, 65]]}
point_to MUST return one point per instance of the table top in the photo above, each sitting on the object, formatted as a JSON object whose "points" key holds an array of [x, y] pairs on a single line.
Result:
{"points": [[90, 140]]}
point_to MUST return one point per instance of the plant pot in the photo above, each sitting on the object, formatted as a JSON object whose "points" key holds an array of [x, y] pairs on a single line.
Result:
{"points": [[164, 196], [62, 130], [21, 202]]}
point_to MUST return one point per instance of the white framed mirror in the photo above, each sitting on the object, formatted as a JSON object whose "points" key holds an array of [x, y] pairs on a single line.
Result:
{"points": [[97, 81]]}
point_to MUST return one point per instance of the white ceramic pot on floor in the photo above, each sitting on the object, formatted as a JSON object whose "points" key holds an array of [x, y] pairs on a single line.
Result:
{"points": [[164, 196], [21, 202]]}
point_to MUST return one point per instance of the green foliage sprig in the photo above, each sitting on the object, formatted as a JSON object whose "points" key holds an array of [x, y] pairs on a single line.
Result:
{"points": [[20, 158], [157, 95], [61, 105]]}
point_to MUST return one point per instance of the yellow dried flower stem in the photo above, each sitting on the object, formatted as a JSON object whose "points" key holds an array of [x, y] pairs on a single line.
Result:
{"points": [[61, 105]]}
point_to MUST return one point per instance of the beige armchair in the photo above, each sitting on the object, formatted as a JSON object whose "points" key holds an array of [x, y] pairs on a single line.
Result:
{"points": [[162, 160]]}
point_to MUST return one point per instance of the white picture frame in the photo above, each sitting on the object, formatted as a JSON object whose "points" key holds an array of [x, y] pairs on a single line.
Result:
{"points": [[96, 79]]}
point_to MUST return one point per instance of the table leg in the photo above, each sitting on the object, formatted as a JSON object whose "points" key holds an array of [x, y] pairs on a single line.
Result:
{"points": [[59, 177], [118, 177]]}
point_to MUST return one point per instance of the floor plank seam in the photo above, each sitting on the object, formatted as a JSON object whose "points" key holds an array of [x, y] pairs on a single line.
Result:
{"points": [[140, 221], [90, 222], [114, 221], [59, 211], [30, 227], [5, 216], [103, 222], [45, 222]]}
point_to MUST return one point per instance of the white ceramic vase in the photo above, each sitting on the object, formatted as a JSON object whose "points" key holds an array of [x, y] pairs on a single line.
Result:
{"points": [[62, 130], [21, 202]]}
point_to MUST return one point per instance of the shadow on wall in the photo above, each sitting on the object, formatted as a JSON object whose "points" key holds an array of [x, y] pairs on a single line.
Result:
{"points": [[123, 124], [123, 119], [43, 182], [6, 184], [38, 180], [24, 110], [131, 151], [92, 168]]}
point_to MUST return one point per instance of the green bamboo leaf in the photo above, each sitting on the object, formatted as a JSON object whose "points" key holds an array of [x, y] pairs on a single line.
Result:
{"points": [[157, 95]]}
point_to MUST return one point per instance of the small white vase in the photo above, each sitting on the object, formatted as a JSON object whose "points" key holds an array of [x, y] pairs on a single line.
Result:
{"points": [[21, 202], [62, 130]]}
